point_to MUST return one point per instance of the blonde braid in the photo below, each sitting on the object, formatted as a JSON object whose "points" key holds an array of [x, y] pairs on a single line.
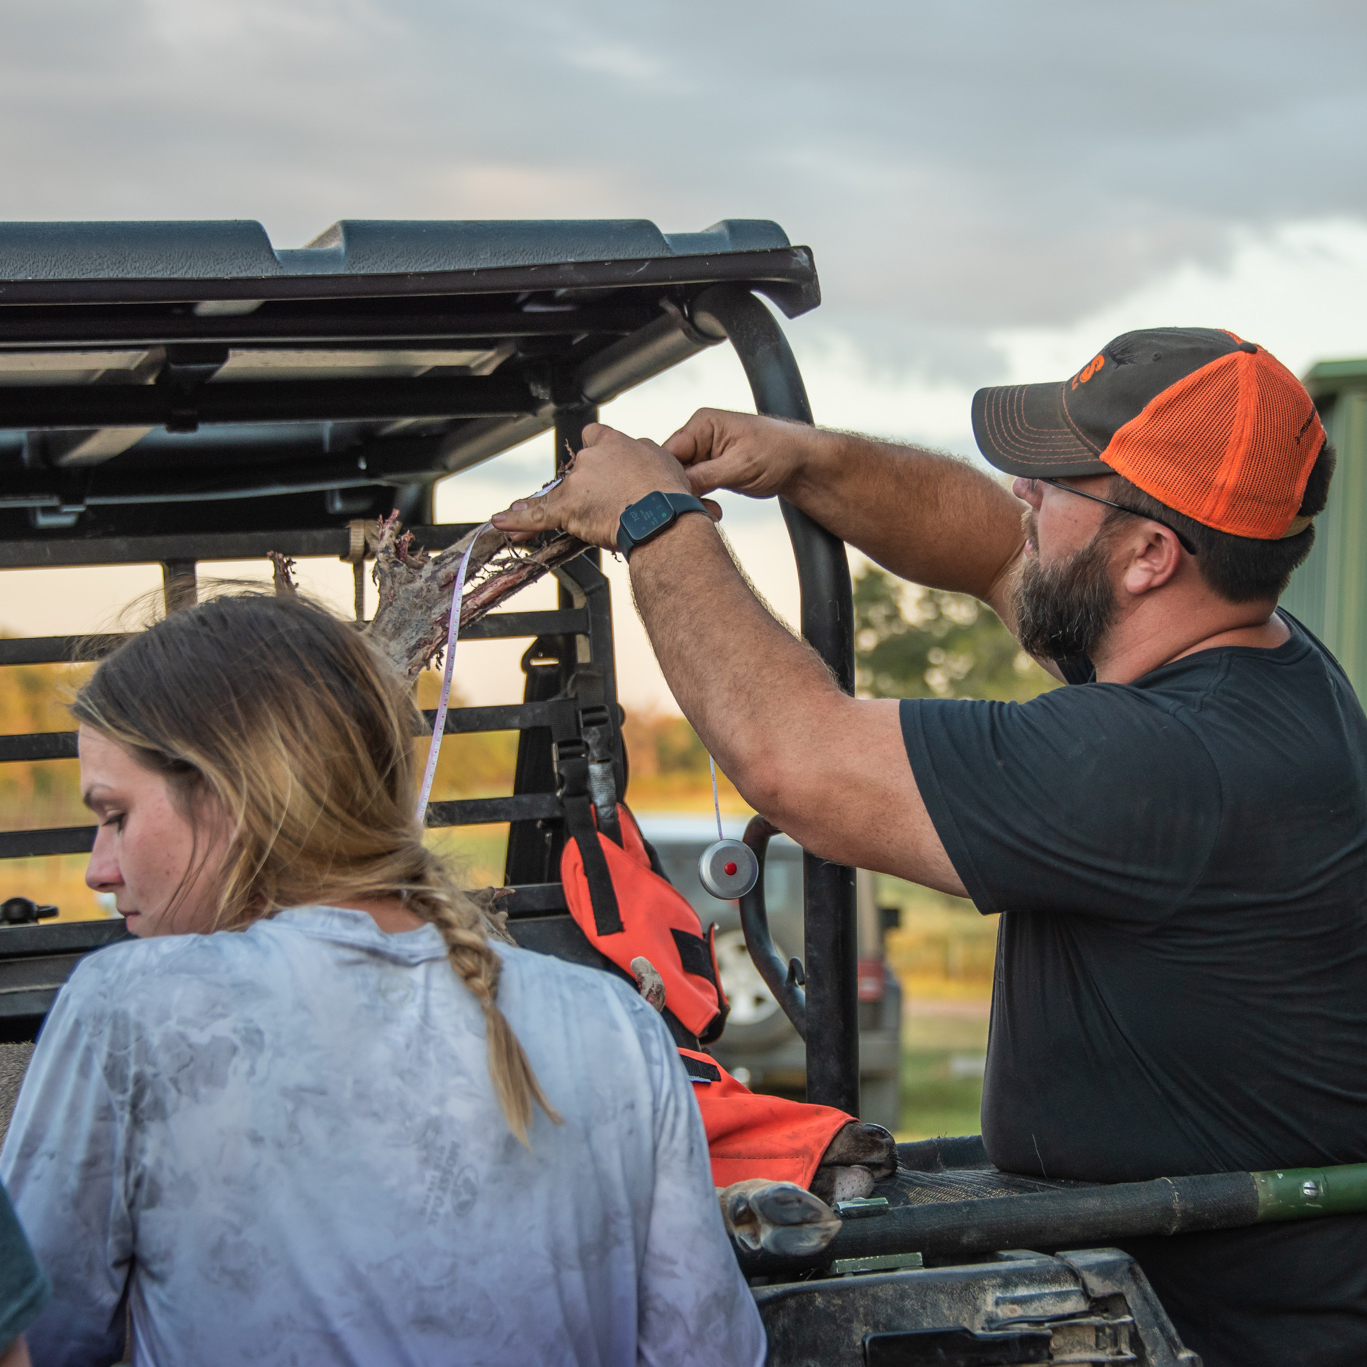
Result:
{"points": [[479, 967]]}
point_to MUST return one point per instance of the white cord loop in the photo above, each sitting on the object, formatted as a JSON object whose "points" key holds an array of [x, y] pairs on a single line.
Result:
{"points": [[452, 636]]}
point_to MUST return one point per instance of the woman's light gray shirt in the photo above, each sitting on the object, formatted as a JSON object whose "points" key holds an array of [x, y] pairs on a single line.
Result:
{"points": [[288, 1137]]}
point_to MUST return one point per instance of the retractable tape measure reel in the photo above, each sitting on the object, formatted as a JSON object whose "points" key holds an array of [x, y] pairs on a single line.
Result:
{"points": [[728, 869]]}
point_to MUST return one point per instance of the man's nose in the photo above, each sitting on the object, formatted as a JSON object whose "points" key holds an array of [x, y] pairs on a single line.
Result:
{"points": [[1027, 491], [102, 873]]}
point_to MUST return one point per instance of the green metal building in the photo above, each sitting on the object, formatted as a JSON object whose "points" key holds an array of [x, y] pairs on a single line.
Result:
{"points": [[1329, 592]]}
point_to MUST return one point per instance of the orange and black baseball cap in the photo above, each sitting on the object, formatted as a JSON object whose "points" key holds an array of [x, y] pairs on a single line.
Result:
{"points": [[1206, 423]]}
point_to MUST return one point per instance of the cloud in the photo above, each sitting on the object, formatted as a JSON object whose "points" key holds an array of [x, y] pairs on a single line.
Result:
{"points": [[625, 62], [1300, 290], [981, 166]]}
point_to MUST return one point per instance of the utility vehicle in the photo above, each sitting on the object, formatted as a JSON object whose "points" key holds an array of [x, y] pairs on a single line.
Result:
{"points": [[172, 393]]}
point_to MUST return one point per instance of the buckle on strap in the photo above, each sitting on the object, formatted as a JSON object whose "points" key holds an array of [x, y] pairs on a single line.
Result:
{"points": [[596, 726]]}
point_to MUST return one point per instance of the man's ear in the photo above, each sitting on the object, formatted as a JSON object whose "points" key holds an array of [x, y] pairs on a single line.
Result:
{"points": [[1155, 556]]}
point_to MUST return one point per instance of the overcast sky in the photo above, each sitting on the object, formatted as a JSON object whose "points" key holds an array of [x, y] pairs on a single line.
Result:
{"points": [[991, 190]]}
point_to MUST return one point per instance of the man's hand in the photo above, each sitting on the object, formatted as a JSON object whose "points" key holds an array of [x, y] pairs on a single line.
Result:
{"points": [[759, 457], [612, 472]]}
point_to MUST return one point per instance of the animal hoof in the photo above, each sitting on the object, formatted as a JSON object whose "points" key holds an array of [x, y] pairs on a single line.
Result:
{"points": [[778, 1217], [648, 981]]}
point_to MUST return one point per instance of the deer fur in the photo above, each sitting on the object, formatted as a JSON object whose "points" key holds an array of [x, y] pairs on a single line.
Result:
{"points": [[414, 610], [413, 614]]}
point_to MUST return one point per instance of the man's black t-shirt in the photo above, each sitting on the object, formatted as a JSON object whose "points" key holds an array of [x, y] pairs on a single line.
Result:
{"points": [[1181, 986]]}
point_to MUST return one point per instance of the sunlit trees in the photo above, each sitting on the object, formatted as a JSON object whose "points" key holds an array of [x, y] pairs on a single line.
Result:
{"points": [[912, 642]]}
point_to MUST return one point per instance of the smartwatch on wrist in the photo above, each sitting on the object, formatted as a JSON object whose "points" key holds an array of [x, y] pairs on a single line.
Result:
{"points": [[649, 516]]}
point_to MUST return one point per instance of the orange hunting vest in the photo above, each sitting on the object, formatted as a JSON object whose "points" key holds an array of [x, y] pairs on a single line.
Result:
{"points": [[749, 1135], [635, 912], [642, 913]]}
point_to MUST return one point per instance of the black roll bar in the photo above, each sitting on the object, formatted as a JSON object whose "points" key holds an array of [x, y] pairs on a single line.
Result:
{"points": [[832, 999], [783, 980]]}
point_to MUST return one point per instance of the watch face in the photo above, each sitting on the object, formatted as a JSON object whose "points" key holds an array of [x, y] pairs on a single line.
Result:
{"points": [[647, 516]]}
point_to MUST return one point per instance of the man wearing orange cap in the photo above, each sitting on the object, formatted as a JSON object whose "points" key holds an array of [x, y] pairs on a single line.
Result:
{"points": [[1177, 844]]}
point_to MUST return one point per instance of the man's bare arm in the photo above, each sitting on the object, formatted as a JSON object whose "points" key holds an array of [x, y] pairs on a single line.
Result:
{"points": [[927, 517], [829, 770]]}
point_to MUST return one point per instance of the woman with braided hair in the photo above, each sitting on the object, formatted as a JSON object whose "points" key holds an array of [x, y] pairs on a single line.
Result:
{"points": [[277, 1127]]}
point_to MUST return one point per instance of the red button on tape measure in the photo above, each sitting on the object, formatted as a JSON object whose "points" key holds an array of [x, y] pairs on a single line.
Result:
{"points": [[728, 869]]}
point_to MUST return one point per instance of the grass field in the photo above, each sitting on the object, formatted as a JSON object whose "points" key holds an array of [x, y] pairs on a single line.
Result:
{"points": [[943, 1046], [943, 953]]}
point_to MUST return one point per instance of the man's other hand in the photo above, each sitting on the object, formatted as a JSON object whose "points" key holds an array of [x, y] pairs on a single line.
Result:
{"points": [[612, 472], [759, 457]]}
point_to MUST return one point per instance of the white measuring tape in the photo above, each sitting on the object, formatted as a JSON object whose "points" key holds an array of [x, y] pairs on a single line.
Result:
{"points": [[452, 636]]}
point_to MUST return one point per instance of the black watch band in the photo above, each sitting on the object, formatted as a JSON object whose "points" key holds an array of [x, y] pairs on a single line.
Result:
{"points": [[649, 516]]}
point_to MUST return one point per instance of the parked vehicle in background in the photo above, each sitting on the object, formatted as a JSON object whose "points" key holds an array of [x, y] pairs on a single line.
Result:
{"points": [[760, 1045]]}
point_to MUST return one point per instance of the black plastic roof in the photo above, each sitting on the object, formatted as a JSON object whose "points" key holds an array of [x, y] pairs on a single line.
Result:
{"points": [[159, 376], [116, 254]]}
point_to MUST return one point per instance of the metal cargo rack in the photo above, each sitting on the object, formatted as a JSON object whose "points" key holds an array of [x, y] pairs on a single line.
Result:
{"points": [[570, 690]]}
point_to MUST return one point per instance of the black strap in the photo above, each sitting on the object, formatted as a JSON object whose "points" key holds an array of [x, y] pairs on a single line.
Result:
{"points": [[700, 1071], [572, 761], [653, 855], [607, 919], [694, 954], [596, 726], [695, 957]]}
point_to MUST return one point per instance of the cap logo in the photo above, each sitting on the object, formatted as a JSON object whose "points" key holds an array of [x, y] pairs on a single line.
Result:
{"points": [[1088, 370]]}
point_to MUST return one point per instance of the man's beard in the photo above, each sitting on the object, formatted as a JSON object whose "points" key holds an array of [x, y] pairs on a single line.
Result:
{"points": [[1064, 610]]}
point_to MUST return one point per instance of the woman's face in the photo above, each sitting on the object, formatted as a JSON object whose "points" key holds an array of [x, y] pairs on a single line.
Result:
{"points": [[160, 870]]}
